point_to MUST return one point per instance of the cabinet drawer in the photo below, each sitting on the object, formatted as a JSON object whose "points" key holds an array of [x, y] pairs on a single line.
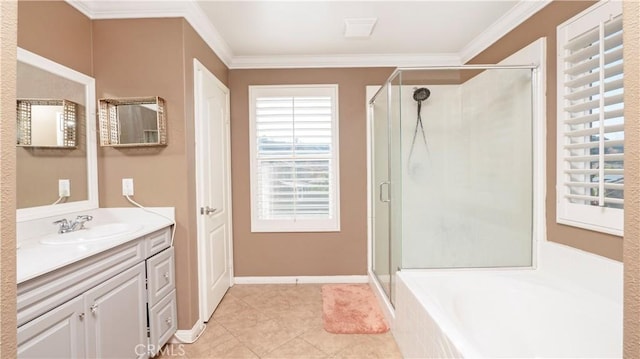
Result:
{"points": [[163, 322], [157, 241], [161, 277]]}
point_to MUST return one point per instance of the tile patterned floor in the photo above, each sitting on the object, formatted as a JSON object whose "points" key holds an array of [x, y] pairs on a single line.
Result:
{"points": [[279, 322]]}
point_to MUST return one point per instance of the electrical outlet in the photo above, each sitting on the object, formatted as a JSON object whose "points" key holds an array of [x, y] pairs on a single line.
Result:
{"points": [[64, 188], [127, 186]]}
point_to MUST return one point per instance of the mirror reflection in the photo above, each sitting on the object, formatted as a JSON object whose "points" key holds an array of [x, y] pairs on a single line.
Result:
{"points": [[41, 167], [138, 123], [132, 122], [46, 123]]}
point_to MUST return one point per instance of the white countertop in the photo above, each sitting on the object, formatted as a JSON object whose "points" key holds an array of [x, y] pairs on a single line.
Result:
{"points": [[35, 259]]}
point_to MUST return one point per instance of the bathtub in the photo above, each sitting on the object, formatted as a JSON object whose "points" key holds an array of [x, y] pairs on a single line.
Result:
{"points": [[549, 312]]}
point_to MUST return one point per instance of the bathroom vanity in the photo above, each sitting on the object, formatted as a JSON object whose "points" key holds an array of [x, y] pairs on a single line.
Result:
{"points": [[92, 282], [112, 297]]}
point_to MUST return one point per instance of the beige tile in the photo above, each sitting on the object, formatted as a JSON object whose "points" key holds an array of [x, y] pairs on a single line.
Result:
{"points": [[242, 321], [295, 349], [243, 290], [278, 321], [230, 306], [171, 351], [215, 340], [300, 323], [264, 336], [239, 351], [282, 307], [371, 346], [327, 342]]}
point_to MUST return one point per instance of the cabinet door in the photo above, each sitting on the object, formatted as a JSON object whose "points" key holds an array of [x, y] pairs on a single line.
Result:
{"points": [[58, 333], [117, 316]]}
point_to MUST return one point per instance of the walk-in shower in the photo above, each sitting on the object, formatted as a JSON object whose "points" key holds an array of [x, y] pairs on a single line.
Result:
{"points": [[451, 169]]}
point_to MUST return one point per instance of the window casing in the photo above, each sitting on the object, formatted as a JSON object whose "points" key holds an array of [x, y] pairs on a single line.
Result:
{"points": [[590, 179], [294, 158]]}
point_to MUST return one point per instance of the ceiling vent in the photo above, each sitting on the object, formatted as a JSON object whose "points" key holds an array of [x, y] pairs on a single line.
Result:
{"points": [[359, 28]]}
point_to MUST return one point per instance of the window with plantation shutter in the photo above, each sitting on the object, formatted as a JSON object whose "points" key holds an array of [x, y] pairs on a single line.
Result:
{"points": [[590, 184], [294, 158]]}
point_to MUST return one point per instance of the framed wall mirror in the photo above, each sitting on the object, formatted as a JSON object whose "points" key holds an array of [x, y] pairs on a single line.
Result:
{"points": [[53, 89], [133, 122], [46, 123]]}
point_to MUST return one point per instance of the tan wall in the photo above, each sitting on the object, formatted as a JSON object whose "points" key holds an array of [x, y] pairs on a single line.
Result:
{"points": [[57, 31], [300, 254], [140, 58], [8, 18], [543, 24], [631, 13]]}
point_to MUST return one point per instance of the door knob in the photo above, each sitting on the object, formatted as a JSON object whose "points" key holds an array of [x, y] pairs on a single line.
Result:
{"points": [[207, 210]]}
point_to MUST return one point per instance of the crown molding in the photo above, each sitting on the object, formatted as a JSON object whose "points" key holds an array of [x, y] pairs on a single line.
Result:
{"points": [[203, 26], [509, 21], [81, 6], [360, 60], [195, 16], [187, 9]]}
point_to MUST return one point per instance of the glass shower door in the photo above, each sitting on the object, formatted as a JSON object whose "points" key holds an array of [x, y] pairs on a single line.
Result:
{"points": [[386, 167], [379, 111]]}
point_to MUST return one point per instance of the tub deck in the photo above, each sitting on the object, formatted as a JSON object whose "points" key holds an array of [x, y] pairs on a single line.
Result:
{"points": [[520, 313]]}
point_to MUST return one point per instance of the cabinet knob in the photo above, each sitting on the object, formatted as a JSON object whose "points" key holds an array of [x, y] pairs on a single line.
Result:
{"points": [[166, 275], [169, 321], [81, 316], [94, 308]]}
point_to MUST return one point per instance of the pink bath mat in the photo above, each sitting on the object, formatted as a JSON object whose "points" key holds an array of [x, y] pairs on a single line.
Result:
{"points": [[351, 309]]}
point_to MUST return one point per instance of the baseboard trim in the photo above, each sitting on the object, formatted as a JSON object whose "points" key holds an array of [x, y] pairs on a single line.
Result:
{"points": [[302, 279], [188, 336]]}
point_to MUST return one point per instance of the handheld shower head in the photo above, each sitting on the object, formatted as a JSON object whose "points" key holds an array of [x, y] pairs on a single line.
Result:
{"points": [[421, 94]]}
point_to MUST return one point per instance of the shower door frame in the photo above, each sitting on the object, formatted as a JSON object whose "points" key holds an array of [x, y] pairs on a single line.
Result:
{"points": [[538, 116]]}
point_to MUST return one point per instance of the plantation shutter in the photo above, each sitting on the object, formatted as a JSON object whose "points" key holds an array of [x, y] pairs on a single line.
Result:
{"points": [[295, 145], [591, 121]]}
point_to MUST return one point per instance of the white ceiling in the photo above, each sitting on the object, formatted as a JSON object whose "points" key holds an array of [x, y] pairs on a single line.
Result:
{"points": [[305, 33]]}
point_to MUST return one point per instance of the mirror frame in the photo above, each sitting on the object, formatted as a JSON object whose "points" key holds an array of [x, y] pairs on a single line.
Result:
{"points": [[69, 109], [26, 214], [109, 119]]}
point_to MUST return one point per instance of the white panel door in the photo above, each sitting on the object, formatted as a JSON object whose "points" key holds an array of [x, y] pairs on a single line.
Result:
{"points": [[56, 334], [116, 314], [213, 169]]}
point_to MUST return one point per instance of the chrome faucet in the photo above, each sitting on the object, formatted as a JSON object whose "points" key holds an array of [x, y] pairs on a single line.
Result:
{"points": [[77, 224]]}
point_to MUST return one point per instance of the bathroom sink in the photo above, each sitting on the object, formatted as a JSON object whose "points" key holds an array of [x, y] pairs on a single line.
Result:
{"points": [[91, 234]]}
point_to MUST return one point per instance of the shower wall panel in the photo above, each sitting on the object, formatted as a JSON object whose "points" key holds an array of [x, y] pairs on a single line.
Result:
{"points": [[467, 192]]}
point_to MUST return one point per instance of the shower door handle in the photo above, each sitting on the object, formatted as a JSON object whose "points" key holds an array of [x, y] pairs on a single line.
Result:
{"points": [[380, 190]]}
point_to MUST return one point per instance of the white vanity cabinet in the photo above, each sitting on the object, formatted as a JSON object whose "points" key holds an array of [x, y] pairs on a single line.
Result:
{"points": [[118, 304]]}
